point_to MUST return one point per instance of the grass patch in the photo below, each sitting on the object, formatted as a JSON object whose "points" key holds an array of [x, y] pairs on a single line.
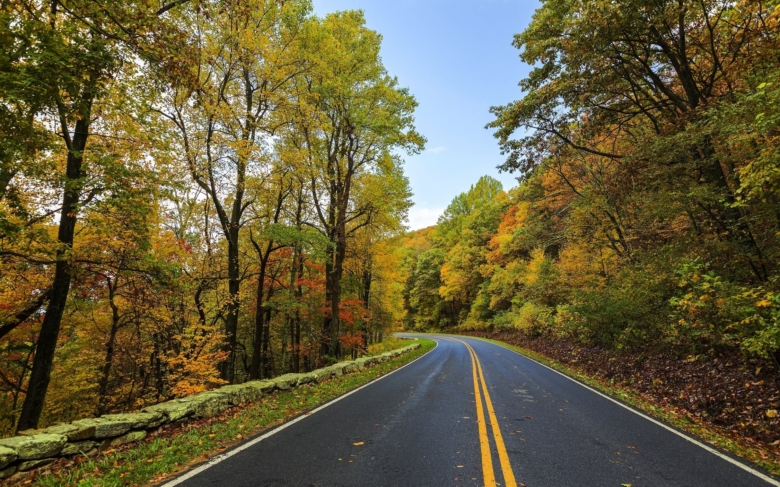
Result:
{"points": [[155, 459], [706, 433], [387, 344]]}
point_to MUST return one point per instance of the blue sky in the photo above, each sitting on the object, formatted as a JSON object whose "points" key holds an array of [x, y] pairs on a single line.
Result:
{"points": [[457, 59]]}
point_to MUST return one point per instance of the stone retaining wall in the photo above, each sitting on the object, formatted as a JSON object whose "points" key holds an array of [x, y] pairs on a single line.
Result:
{"points": [[36, 448]]}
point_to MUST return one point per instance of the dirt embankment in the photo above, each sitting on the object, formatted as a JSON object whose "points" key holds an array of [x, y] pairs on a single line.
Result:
{"points": [[739, 397]]}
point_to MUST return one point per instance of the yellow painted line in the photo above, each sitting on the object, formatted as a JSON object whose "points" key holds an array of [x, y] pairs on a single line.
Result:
{"points": [[503, 456], [484, 446]]}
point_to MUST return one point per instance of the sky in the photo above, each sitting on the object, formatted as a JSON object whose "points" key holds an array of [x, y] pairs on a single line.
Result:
{"points": [[457, 59]]}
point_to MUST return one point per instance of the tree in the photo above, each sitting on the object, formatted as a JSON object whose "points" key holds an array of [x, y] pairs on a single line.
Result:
{"points": [[360, 116], [240, 73], [623, 82], [152, 160], [77, 52]]}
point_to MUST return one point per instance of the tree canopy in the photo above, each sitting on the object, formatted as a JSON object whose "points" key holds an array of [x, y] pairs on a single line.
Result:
{"points": [[647, 212], [191, 194]]}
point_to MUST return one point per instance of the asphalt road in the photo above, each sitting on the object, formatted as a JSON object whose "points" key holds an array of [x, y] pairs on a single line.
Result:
{"points": [[421, 426]]}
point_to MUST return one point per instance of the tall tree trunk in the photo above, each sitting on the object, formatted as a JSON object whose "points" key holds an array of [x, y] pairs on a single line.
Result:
{"points": [[109, 357], [299, 296], [367, 277], [255, 368], [260, 320], [232, 308], [156, 363], [291, 318], [50, 329], [266, 363], [330, 280], [335, 302]]}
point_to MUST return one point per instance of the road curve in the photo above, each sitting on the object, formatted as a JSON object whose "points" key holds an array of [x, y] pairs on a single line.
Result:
{"points": [[422, 426]]}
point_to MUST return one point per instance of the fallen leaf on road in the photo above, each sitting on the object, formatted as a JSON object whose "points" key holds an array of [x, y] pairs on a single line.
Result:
{"points": [[358, 443], [460, 466]]}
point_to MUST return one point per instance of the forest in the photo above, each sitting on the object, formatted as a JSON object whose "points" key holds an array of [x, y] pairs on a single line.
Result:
{"points": [[192, 193], [640, 248], [646, 220], [197, 193]]}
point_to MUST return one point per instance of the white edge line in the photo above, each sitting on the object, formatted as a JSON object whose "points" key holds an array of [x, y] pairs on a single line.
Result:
{"points": [[741, 465], [224, 456]]}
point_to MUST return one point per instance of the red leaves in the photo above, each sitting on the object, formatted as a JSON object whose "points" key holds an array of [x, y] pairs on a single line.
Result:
{"points": [[352, 340]]}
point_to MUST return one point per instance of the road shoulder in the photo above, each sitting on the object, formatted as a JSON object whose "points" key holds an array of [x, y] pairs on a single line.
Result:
{"points": [[693, 430]]}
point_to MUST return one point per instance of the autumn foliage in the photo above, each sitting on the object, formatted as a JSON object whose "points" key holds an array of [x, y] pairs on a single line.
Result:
{"points": [[190, 196], [647, 209]]}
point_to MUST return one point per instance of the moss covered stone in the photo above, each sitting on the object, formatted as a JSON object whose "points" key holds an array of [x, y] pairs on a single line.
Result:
{"points": [[72, 431], [7, 455], [138, 420], [208, 404], [79, 447], [36, 446], [105, 428], [265, 386], [322, 374], [31, 464], [364, 362], [240, 393], [349, 367], [7, 472], [174, 410], [131, 437], [306, 379], [337, 370], [286, 381]]}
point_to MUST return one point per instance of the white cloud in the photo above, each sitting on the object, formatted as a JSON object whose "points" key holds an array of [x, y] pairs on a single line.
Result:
{"points": [[437, 150], [423, 217]]}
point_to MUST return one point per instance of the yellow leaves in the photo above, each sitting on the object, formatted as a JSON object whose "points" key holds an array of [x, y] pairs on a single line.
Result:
{"points": [[771, 413], [358, 443], [538, 261], [764, 303]]}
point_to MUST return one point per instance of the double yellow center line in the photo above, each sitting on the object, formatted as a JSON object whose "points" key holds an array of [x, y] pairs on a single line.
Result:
{"points": [[484, 443]]}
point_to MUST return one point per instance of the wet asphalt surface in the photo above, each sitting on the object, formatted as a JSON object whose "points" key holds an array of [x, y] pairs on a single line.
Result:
{"points": [[417, 427]]}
